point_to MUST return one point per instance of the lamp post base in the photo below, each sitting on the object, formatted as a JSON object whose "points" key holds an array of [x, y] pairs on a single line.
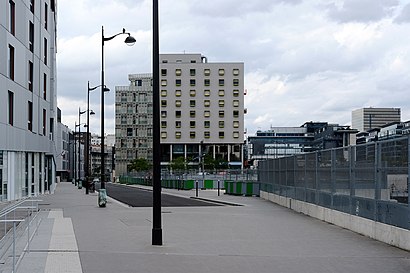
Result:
{"points": [[102, 198], [157, 236]]}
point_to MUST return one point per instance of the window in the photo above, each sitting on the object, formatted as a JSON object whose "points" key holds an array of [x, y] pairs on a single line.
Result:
{"points": [[192, 134], [192, 103], [44, 121], [207, 103], [163, 103], [31, 37], [30, 76], [235, 124], [221, 72], [221, 103], [163, 72], [221, 134], [207, 134], [235, 113], [192, 82], [178, 135], [221, 82], [178, 82], [235, 103], [163, 114], [235, 82], [192, 114], [207, 114], [235, 72], [177, 114], [163, 82], [221, 93], [129, 132], [163, 124], [11, 62], [178, 103], [235, 134], [221, 114], [12, 26], [207, 82], [192, 93], [45, 51], [192, 72], [207, 123], [178, 72], [236, 93], [45, 15], [207, 93], [221, 124], [192, 124], [178, 124], [207, 72], [163, 93], [32, 6], [11, 108], [163, 134], [30, 116], [178, 93]]}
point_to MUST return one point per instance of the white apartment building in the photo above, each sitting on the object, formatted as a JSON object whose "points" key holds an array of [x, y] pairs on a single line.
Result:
{"points": [[28, 97], [202, 112]]}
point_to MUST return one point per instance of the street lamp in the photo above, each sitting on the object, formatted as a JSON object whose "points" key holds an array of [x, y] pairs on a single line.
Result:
{"points": [[102, 194], [87, 137], [79, 144], [156, 149]]}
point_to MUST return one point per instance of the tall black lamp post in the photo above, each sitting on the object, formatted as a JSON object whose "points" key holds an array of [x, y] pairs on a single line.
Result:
{"points": [[102, 194], [156, 175], [87, 137], [79, 145]]}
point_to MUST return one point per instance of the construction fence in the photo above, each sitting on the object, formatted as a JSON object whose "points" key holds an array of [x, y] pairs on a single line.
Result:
{"points": [[368, 180]]}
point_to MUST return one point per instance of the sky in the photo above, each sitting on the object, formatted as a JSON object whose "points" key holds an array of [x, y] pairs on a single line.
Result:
{"points": [[305, 60]]}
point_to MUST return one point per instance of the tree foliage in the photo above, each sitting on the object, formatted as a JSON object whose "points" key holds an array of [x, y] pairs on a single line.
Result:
{"points": [[139, 165]]}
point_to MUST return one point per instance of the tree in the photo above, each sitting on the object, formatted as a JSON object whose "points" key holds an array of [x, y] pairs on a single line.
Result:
{"points": [[178, 163], [139, 165]]}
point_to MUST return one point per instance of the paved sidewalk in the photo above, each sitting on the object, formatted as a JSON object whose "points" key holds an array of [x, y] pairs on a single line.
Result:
{"points": [[75, 235]]}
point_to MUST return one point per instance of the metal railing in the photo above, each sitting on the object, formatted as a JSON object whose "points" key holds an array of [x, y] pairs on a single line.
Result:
{"points": [[11, 218], [369, 180]]}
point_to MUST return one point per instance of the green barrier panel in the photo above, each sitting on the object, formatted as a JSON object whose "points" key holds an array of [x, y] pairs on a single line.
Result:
{"points": [[249, 189], [189, 184], [209, 184], [238, 188]]}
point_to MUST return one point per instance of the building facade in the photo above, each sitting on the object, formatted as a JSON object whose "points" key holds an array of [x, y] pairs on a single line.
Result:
{"points": [[365, 119], [28, 97], [286, 141], [202, 112]]}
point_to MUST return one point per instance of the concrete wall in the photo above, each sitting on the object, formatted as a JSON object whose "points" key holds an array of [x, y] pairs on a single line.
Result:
{"points": [[385, 233]]}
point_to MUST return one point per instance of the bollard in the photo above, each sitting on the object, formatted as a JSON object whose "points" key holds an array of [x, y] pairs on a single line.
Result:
{"points": [[218, 187], [196, 186]]}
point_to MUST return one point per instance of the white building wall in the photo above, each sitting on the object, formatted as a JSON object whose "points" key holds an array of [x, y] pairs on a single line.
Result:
{"points": [[16, 142]]}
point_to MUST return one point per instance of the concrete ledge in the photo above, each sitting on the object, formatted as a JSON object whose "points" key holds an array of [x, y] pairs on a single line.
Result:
{"points": [[391, 235]]}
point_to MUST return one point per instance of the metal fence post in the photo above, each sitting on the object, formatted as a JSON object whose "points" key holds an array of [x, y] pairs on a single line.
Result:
{"points": [[408, 175]]}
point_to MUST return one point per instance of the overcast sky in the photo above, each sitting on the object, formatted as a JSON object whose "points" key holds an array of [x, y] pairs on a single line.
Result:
{"points": [[305, 60]]}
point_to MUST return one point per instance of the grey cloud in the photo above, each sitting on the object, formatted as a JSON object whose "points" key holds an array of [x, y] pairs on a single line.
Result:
{"points": [[404, 16], [361, 11], [234, 8]]}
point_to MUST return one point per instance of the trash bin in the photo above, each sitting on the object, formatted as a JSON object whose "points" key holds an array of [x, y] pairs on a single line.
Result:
{"points": [[80, 184]]}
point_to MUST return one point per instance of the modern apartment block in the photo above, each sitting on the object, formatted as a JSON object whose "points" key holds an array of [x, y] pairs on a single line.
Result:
{"points": [[202, 112], [28, 97], [365, 119], [133, 121]]}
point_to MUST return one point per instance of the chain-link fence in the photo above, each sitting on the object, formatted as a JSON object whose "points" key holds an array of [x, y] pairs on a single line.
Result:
{"points": [[369, 180]]}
